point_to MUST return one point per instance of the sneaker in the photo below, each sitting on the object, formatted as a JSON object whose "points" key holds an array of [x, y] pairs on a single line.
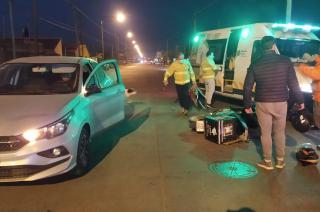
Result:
{"points": [[182, 110], [280, 164], [209, 106], [185, 112], [265, 165]]}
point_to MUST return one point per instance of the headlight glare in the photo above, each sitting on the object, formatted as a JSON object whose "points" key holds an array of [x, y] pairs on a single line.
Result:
{"points": [[31, 135], [50, 131]]}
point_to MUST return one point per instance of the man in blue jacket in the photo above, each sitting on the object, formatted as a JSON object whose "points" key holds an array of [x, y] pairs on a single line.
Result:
{"points": [[274, 76]]}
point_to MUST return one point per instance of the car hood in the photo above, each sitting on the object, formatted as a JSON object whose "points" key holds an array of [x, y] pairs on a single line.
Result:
{"points": [[21, 113]]}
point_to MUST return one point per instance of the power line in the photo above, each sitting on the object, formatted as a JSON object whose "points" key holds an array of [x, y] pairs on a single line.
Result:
{"points": [[61, 23], [196, 13], [67, 28], [88, 17], [205, 8], [57, 25]]}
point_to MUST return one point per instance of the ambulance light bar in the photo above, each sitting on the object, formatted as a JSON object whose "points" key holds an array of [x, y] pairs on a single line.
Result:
{"points": [[291, 26]]}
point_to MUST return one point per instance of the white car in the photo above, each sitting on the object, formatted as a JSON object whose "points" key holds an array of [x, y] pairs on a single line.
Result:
{"points": [[50, 107]]}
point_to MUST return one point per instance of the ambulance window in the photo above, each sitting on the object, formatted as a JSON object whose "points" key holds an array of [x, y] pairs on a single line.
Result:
{"points": [[256, 51], [218, 47], [231, 55]]}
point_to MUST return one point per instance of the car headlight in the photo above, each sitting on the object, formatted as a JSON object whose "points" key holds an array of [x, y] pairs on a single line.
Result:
{"points": [[50, 131]]}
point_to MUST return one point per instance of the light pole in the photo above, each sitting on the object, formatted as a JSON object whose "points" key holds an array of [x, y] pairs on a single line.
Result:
{"points": [[167, 51], [194, 22], [35, 25], [76, 27], [120, 18], [127, 49], [289, 11], [3, 27], [196, 13], [102, 40], [12, 29]]}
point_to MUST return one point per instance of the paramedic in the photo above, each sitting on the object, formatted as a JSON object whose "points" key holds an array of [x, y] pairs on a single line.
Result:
{"points": [[314, 74], [183, 74], [207, 74]]}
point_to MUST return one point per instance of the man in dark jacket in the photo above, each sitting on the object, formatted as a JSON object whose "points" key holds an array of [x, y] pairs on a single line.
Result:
{"points": [[274, 76]]}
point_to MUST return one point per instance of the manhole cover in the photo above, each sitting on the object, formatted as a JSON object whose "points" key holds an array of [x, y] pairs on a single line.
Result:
{"points": [[233, 169]]}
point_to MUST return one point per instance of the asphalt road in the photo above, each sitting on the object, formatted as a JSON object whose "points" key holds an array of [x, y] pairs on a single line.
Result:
{"points": [[152, 162]]}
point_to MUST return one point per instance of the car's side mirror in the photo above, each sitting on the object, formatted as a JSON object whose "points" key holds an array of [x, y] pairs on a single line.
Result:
{"points": [[92, 90]]}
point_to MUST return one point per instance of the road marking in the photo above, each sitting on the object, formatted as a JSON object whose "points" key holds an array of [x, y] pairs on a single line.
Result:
{"points": [[162, 177]]}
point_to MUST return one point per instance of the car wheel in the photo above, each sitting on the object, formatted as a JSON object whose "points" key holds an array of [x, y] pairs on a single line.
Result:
{"points": [[83, 153]]}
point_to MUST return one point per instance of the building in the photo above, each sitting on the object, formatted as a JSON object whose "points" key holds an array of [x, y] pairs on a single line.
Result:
{"points": [[26, 47], [75, 51]]}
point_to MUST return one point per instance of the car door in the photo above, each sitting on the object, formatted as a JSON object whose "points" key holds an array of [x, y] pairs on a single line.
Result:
{"points": [[110, 100]]}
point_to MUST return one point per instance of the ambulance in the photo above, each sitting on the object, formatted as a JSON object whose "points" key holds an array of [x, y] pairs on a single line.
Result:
{"points": [[236, 48]]}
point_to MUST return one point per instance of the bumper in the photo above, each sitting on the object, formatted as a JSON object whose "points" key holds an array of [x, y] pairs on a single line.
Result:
{"points": [[33, 172], [36, 160]]}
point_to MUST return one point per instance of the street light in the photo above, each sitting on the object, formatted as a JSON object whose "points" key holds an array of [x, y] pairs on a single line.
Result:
{"points": [[129, 35], [120, 17], [133, 42]]}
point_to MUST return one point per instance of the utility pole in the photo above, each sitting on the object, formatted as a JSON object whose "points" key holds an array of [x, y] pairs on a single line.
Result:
{"points": [[115, 55], [167, 49], [3, 27], [35, 25], [112, 51], [102, 40], [12, 29], [289, 11], [196, 13], [80, 24], [194, 22], [117, 44], [76, 26]]}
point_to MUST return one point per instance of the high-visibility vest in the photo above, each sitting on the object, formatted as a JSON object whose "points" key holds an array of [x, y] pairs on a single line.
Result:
{"points": [[182, 72], [314, 74], [207, 70]]}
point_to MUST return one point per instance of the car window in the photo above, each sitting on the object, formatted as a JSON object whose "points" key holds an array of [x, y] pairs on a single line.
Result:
{"points": [[107, 75], [86, 72], [93, 64], [38, 79], [92, 82]]}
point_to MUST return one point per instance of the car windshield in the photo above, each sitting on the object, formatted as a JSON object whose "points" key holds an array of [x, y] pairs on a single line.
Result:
{"points": [[299, 50], [38, 79]]}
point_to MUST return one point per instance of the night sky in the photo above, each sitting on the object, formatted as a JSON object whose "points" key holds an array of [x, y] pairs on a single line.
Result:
{"points": [[154, 21]]}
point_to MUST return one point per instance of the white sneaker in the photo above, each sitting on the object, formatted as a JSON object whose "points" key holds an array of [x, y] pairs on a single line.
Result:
{"points": [[280, 164], [266, 164]]}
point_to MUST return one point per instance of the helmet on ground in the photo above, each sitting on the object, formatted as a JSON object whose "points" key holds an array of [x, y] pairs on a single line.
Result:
{"points": [[307, 155], [300, 122]]}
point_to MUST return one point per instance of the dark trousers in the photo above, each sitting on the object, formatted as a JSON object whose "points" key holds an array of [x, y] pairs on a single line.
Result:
{"points": [[183, 95]]}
